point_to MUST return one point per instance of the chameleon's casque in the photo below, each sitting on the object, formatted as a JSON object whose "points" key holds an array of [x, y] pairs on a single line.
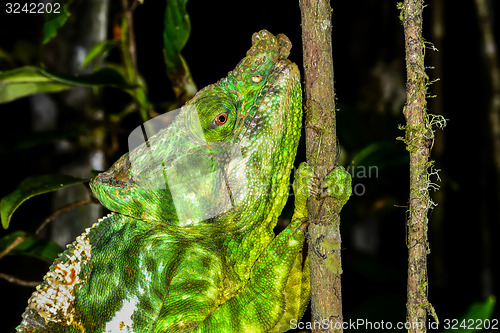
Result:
{"points": [[190, 246]]}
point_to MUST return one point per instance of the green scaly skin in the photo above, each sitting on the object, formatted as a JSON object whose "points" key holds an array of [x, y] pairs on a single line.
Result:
{"points": [[144, 268]]}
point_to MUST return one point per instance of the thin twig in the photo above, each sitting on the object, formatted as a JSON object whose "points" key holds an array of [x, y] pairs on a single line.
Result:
{"points": [[13, 245], [13, 279], [134, 6], [131, 37], [60, 210]]}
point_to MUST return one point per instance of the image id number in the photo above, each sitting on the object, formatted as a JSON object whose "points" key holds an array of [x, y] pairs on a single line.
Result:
{"points": [[32, 8], [471, 324]]}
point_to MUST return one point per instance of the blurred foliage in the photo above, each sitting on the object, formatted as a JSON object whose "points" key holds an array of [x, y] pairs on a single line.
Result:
{"points": [[29, 80], [31, 246], [175, 36], [476, 318], [31, 187], [55, 19], [99, 52], [18, 82]]}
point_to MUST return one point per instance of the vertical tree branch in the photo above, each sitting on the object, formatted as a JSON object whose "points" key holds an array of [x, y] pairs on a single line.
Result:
{"points": [[418, 138], [130, 39], [324, 236], [129, 54]]}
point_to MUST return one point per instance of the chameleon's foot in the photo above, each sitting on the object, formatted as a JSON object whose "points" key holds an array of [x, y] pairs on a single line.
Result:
{"points": [[305, 183], [337, 184]]}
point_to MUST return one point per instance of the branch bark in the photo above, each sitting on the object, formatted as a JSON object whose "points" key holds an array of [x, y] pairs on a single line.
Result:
{"points": [[321, 141], [418, 139], [130, 39]]}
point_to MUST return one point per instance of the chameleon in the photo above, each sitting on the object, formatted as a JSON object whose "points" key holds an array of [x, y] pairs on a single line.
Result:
{"points": [[189, 244]]}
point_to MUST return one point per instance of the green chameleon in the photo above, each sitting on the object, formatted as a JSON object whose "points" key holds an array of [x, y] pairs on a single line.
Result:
{"points": [[190, 245]]}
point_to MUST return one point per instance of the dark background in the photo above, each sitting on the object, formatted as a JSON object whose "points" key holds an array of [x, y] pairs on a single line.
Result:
{"points": [[368, 51]]}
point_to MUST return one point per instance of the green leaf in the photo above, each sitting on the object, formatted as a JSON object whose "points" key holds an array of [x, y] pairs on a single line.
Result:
{"points": [[99, 49], [177, 28], [24, 81], [477, 313], [101, 78], [54, 21], [31, 187], [40, 249]]}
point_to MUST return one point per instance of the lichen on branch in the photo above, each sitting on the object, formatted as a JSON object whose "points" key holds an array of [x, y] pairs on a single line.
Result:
{"points": [[419, 138]]}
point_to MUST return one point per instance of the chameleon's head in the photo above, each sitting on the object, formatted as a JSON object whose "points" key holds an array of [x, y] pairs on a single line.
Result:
{"points": [[226, 155]]}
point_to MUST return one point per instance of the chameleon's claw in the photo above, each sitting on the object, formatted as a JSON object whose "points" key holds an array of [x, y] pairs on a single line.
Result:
{"points": [[337, 184]]}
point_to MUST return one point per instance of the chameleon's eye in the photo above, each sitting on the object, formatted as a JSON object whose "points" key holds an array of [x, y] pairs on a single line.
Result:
{"points": [[256, 78], [221, 118]]}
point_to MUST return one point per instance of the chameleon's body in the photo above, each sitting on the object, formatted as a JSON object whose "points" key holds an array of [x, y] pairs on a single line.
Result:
{"points": [[144, 269]]}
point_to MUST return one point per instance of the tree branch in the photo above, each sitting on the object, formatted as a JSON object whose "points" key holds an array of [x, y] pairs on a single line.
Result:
{"points": [[418, 139], [321, 145]]}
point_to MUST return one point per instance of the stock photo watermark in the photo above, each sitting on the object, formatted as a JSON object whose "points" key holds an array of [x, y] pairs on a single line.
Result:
{"points": [[359, 175], [365, 324]]}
